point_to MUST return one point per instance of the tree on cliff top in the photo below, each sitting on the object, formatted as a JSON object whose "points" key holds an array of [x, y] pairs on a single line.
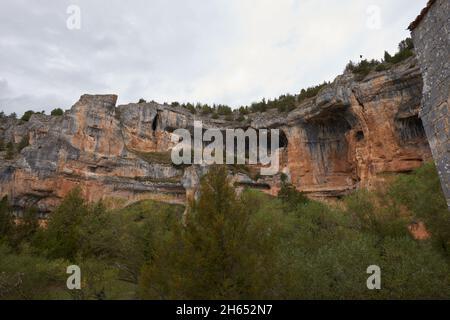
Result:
{"points": [[6, 219], [27, 115]]}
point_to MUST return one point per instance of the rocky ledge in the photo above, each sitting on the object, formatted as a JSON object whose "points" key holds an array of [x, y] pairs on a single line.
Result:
{"points": [[347, 137]]}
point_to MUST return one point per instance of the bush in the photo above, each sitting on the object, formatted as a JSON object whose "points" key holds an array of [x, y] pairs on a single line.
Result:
{"points": [[221, 237], [6, 220], [23, 143], [422, 195], [63, 235], [243, 111], [291, 196], [223, 110], [27, 115], [363, 68], [229, 245], [25, 230], [10, 151], [311, 92], [26, 276], [190, 107]]}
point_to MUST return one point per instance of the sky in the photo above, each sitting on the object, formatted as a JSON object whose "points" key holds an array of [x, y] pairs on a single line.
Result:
{"points": [[233, 52]]}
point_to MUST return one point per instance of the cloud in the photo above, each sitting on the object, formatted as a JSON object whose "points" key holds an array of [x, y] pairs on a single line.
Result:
{"points": [[234, 51]]}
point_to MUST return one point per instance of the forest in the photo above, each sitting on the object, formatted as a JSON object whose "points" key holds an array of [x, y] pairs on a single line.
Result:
{"points": [[235, 245]]}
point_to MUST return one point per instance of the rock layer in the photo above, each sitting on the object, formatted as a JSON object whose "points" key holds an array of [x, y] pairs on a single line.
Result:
{"points": [[347, 137]]}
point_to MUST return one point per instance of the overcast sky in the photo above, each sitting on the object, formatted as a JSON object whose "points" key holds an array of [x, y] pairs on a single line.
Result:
{"points": [[212, 51]]}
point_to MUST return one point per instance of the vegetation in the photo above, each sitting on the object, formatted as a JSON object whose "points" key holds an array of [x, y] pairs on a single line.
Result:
{"points": [[288, 102], [364, 67], [311, 92], [23, 143], [234, 246], [27, 115], [57, 112], [10, 151]]}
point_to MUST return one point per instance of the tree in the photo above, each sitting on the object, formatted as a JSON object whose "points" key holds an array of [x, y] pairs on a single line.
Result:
{"points": [[190, 107], [387, 57], [10, 151], [24, 142], [6, 219], [142, 101], [27, 115], [57, 112], [26, 227], [62, 238], [290, 195], [218, 250], [406, 44]]}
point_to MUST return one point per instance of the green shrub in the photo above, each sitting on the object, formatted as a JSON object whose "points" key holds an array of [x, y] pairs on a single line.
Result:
{"points": [[57, 112], [311, 92], [223, 110], [10, 151], [26, 276], [6, 220], [63, 235], [27, 115], [23, 143], [422, 195], [233, 253]]}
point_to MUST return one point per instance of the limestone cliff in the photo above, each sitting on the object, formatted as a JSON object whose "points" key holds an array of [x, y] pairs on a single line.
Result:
{"points": [[346, 137]]}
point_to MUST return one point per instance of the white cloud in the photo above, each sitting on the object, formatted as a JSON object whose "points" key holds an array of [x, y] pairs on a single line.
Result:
{"points": [[222, 51]]}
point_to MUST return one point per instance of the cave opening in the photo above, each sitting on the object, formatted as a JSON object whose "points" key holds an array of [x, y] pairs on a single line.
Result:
{"points": [[359, 135], [283, 140], [410, 129]]}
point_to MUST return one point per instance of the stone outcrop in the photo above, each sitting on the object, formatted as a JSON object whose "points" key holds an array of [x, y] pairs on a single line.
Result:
{"points": [[431, 36], [349, 136]]}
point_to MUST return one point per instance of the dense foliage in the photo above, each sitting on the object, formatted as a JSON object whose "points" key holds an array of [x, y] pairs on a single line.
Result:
{"points": [[233, 246], [57, 112], [364, 67]]}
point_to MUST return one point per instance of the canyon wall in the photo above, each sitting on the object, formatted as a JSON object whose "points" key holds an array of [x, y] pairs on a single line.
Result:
{"points": [[351, 135]]}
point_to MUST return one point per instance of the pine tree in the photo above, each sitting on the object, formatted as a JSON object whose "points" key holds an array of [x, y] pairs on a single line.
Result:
{"points": [[63, 233], [57, 112], [218, 250]]}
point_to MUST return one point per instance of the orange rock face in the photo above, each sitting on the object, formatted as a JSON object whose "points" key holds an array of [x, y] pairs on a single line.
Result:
{"points": [[347, 137]]}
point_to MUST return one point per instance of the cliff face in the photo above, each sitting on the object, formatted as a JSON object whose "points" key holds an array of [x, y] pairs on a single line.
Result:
{"points": [[346, 137]]}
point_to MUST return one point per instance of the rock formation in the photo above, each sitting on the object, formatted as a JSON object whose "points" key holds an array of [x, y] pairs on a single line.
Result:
{"points": [[349, 136]]}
